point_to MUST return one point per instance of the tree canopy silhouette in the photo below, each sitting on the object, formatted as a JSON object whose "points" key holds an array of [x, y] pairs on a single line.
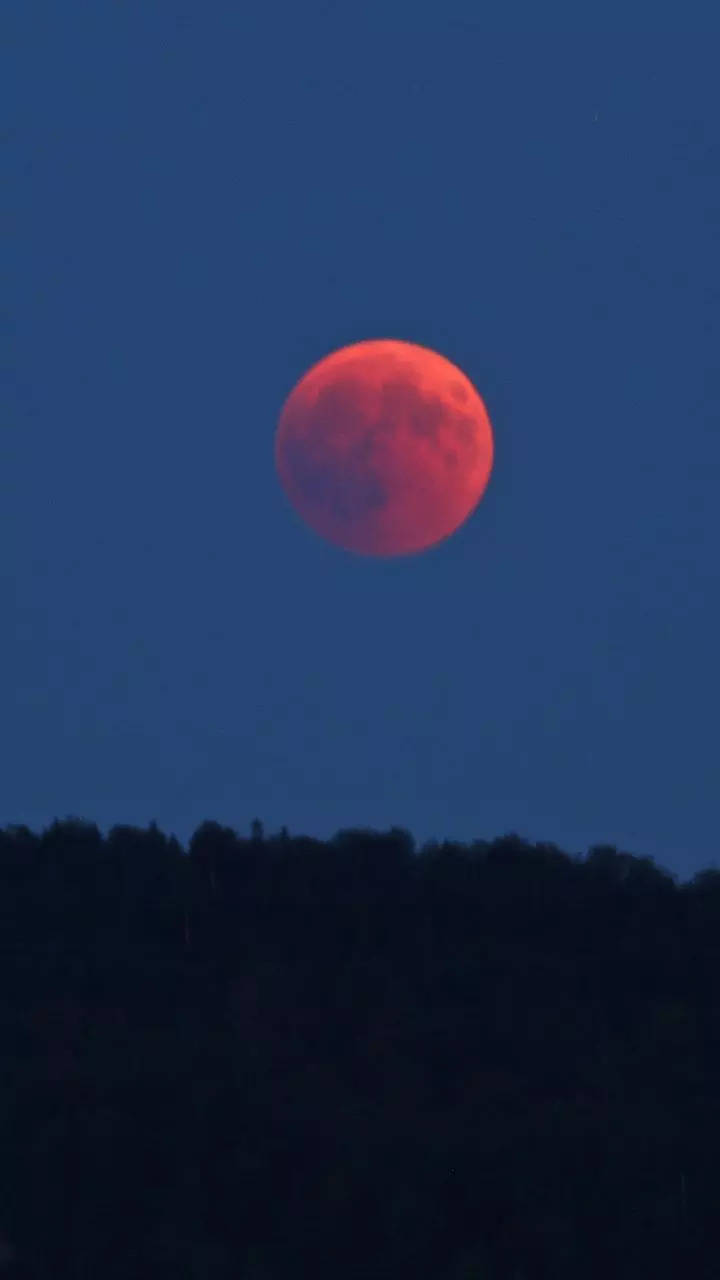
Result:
{"points": [[274, 1055]]}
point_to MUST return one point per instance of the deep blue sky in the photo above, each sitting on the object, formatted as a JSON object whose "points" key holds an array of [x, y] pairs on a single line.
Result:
{"points": [[206, 198]]}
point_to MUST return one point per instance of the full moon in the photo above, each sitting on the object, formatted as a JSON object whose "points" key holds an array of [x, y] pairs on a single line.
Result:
{"points": [[384, 447]]}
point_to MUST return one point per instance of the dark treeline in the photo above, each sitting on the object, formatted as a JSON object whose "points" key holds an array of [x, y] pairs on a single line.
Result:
{"points": [[273, 1057]]}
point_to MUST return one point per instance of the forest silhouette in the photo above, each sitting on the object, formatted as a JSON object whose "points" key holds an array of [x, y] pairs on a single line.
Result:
{"points": [[270, 1057]]}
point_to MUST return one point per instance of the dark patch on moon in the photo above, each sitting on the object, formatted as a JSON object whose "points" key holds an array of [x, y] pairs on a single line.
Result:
{"points": [[459, 392], [343, 492], [424, 415]]}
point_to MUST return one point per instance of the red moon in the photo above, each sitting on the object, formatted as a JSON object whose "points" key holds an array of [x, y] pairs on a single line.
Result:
{"points": [[384, 447]]}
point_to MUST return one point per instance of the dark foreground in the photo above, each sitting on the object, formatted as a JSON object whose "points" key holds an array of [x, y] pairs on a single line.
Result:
{"points": [[273, 1058]]}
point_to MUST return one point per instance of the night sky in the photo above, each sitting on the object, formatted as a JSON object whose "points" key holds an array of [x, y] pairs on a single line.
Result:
{"points": [[207, 198]]}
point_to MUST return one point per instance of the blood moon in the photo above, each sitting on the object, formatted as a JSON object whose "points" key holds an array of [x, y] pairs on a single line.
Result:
{"points": [[384, 447]]}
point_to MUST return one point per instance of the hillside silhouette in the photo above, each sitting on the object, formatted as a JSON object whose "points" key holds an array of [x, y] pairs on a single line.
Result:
{"points": [[273, 1057]]}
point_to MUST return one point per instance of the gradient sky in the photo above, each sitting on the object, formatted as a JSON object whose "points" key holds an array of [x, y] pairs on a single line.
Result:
{"points": [[208, 198]]}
